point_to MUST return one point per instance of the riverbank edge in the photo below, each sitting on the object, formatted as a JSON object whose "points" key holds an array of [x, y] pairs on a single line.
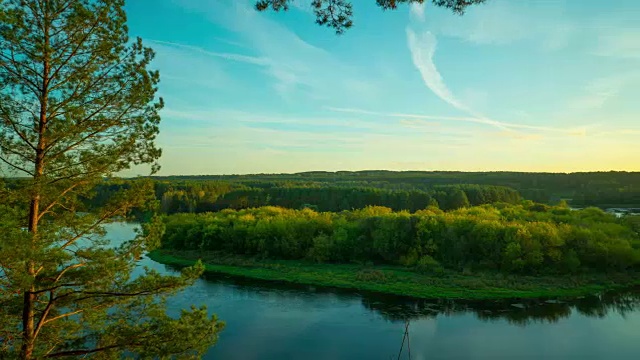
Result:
{"points": [[399, 281]]}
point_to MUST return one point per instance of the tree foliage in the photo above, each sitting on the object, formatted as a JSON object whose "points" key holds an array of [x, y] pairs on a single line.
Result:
{"points": [[524, 238], [202, 196], [78, 104], [337, 14], [603, 189]]}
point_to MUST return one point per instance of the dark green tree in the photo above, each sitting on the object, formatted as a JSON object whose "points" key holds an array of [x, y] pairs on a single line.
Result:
{"points": [[77, 105], [337, 14], [458, 199]]}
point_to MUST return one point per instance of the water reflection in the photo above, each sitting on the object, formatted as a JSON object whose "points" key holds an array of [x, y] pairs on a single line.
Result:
{"points": [[399, 309]]}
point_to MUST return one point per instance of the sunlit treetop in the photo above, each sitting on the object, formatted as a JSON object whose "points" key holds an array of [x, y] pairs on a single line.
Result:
{"points": [[337, 14]]}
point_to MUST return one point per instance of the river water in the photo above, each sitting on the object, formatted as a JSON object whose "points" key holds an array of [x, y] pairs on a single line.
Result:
{"points": [[270, 321]]}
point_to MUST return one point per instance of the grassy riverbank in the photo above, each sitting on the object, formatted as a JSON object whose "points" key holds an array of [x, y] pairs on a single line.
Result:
{"points": [[400, 281]]}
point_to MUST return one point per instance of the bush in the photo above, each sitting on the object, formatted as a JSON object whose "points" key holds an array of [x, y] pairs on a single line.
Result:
{"points": [[410, 259], [372, 276], [321, 250], [427, 264]]}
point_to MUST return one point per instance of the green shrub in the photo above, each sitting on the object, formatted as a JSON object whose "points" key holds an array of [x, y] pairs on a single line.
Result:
{"points": [[371, 276], [428, 265], [321, 250], [410, 259]]}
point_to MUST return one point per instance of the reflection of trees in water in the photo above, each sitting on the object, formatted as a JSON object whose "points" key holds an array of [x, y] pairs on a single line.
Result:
{"points": [[401, 309], [599, 306], [394, 308], [519, 312], [544, 313]]}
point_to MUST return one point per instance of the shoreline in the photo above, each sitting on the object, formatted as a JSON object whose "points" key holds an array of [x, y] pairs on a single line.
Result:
{"points": [[400, 281]]}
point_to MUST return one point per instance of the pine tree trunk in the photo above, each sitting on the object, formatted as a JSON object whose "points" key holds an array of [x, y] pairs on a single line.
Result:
{"points": [[28, 332], [28, 328], [27, 324]]}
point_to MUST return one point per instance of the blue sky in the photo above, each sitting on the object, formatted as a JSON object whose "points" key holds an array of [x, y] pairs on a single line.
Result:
{"points": [[527, 85]]}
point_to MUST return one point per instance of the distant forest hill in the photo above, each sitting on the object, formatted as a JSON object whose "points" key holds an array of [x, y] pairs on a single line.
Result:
{"points": [[405, 190], [398, 190], [602, 189]]}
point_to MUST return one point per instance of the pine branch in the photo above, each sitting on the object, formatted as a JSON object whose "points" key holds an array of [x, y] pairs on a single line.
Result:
{"points": [[94, 26], [86, 351], [59, 197], [16, 167]]}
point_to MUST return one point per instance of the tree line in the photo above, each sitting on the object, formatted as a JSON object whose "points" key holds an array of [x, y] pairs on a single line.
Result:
{"points": [[335, 198], [602, 189], [205, 196], [525, 238]]}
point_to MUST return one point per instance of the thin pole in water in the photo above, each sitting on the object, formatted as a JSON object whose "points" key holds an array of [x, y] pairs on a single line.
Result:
{"points": [[405, 336]]}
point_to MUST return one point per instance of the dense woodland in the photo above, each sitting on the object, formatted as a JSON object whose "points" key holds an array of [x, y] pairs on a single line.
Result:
{"points": [[603, 189], [192, 198], [526, 238], [412, 191]]}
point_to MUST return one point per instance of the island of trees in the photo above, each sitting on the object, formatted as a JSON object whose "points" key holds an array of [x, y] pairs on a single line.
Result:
{"points": [[528, 238]]}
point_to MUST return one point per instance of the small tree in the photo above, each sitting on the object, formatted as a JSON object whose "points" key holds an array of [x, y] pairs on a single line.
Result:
{"points": [[458, 199], [78, 105], [337, 14]]}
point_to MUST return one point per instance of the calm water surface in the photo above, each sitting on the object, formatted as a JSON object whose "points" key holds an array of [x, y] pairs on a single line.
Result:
{"points": [[267, 321]]}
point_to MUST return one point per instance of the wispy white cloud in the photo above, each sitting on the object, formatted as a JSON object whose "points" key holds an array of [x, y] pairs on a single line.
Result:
{"points": [[509, 127], [598, 92], [304, 6], [398, 115], [417, 11], [501, 22], [286, 78], [548, 24], [419, 124], [207, 116], [232, 130], [231, 42], [183, 65], [423, 47], [251, 145], [247, 136], [299, 68], [616, 133], [261, 61], [616, 42]]}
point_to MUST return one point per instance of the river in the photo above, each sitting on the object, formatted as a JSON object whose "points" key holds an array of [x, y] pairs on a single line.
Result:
{"points": [[269, 321]]}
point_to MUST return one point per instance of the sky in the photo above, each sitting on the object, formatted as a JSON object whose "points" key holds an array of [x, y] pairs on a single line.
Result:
{"points": [[527, 85]]}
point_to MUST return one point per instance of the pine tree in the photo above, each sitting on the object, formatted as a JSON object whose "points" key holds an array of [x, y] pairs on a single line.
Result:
{"points": [[77, 105]]}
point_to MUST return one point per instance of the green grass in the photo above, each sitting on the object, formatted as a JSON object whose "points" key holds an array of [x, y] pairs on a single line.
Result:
{"points": [[401, 281]]}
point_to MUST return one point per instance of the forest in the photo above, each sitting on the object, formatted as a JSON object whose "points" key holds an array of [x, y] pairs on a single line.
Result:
{"points": [[334, 198], [411, 191], [521, 238], [581, 189]]}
